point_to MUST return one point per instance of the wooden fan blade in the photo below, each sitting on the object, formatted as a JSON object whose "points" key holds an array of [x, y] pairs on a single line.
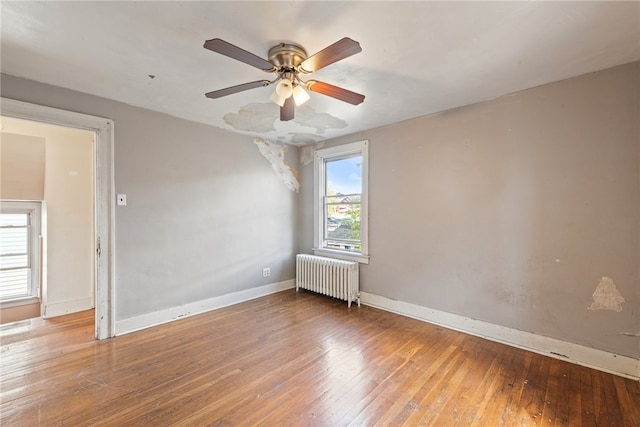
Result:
{"points": [[339, 50], [335, 92], [287, 110], [235, 89], [225, 48]]}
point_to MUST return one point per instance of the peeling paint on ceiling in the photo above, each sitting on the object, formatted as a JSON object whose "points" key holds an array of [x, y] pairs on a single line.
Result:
{"points": [[321, 122], [302, 138], [263, 120], [254, 117]]}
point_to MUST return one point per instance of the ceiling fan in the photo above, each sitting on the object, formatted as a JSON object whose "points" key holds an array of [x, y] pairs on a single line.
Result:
{"points": [[289, 61]]}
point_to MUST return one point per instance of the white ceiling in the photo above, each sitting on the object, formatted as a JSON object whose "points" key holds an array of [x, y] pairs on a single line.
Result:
{"points": [[417, 58]]}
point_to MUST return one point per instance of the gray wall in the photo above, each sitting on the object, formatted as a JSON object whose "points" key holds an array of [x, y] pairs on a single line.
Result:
{"points": [[508, 211], [205, 211], [512, 210]]}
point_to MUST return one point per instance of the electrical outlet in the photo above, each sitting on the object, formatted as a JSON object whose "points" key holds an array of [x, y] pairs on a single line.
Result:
{"points": [[266, 272]]}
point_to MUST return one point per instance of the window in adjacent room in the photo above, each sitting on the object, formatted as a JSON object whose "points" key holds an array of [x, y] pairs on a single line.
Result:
{"points": [[340, 218], [19, 250]]}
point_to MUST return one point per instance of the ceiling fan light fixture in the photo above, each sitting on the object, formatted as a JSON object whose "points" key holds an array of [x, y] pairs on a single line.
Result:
{"points": [[277, 99], [300, 96], [284, 88]]}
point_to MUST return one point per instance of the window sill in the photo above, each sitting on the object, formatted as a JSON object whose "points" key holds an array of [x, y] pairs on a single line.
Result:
{"points": [[344, 255], [19, 301]]}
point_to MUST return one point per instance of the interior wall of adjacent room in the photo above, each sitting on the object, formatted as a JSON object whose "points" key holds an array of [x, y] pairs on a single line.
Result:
{"points": [[22, 160], [511, 211], [69, 192]]}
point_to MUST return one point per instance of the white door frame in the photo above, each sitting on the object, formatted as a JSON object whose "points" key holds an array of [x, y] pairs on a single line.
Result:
{"points": [[104, 197]]}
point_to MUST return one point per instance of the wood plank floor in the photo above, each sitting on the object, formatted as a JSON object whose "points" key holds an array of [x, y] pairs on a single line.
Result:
{"points": [[294, 359]]}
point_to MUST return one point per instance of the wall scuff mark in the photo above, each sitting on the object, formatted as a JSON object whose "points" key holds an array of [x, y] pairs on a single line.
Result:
{"points": [[606, 296], [275, 152], [307, 152], [630, 334]]}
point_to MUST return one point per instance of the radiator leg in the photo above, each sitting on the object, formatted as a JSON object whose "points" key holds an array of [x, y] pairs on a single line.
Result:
{"points": [[357, 299]]}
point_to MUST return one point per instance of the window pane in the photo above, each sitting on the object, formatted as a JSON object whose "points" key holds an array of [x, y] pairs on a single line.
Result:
{"points": [[13, 240], [344, 176], [344, 229], [14, 261], [16, 250], [18, 219], [342, 199], [345, 225], [14, 283], [342, 203]]}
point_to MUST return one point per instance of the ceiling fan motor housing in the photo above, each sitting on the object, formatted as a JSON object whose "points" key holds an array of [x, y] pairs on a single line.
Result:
{"points": [[286, 56]]}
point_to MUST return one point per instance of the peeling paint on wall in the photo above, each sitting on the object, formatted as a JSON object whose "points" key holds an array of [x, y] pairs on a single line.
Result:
{"points": [[606, 296], [306, 154], [254, 117], [274, 152]]}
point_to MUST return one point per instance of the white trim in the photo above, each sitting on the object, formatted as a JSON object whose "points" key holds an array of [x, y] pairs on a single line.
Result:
{"points": [[590, 357], [19, 302], [65, 307], [344, 255], [319, 178], [44, 242], [104, 194], [155, 318]]}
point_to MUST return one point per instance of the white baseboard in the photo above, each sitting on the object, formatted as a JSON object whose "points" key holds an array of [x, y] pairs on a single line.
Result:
{"points": [[143, 321], [598, 359], [55, 309]]}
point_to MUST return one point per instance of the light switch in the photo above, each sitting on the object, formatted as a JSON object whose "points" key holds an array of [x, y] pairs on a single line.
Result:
{"points": [[121, 199]]}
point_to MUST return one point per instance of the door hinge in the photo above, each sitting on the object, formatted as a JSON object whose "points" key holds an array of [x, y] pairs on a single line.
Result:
{"points": [[98, 249]]}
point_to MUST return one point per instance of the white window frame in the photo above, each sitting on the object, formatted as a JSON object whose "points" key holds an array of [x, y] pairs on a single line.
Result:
{"points": [[34, 210], [360, 148]]}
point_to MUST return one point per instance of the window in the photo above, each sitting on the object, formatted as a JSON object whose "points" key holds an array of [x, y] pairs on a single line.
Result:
{"points": [[340, 214], [19, 250]]}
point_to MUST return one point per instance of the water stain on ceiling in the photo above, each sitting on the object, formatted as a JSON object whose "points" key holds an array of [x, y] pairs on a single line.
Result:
{"points": [[254, 117], [321, 122], [303, 138], [263, 120]]}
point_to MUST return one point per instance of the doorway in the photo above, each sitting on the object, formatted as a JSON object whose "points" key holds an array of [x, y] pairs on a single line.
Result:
{"points": [[104, 197]]}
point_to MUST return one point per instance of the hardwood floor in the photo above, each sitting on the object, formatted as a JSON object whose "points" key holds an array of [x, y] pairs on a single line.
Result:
{"points": [[294, 359]]}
